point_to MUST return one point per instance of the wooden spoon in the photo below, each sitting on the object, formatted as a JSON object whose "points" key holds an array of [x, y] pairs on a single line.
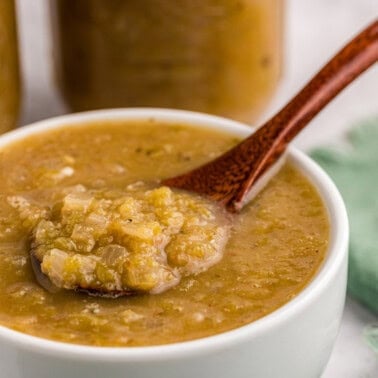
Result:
{"points": [[234, 177]]}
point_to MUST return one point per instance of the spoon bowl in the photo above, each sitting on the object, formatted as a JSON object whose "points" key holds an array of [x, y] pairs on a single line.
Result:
{"points": [[46, 283]]}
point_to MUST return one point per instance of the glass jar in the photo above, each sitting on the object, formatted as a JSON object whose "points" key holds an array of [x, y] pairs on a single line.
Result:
{"points": [[9, 73], [215, 56]]}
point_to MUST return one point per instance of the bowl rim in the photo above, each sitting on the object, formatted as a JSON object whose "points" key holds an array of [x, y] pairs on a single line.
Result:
{"points": [[337, 250]]}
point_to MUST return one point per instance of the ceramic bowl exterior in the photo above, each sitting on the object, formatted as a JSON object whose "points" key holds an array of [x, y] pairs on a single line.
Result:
{"points": [[295, 341]]}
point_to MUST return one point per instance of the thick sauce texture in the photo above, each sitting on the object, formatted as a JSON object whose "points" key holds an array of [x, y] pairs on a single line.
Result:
{"points": [[117, 242], [275, 247], [216, 56]]}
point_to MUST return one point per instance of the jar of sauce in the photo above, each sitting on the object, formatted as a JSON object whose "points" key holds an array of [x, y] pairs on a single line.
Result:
{"points": [[9, 69], [215, 56]]}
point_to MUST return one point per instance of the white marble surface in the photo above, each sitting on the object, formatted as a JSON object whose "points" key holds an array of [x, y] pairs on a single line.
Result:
{"points": [[314, 31]]}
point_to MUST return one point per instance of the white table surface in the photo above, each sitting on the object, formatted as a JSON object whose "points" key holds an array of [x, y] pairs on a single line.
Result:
{"points": [[315, 29]]}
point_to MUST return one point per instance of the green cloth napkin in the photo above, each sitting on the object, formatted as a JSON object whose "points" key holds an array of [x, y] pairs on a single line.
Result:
{"points": [[354, 168], [371, 337]]}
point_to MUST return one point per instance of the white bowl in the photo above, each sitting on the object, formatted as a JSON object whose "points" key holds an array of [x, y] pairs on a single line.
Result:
{"points": [[295, 341]]}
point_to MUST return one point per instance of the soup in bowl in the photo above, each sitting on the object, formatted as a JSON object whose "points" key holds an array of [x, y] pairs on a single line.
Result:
{"points": [[258, 293]]}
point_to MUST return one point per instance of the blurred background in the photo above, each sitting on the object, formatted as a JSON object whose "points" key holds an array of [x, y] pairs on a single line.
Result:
{"points": [[312, 32]]}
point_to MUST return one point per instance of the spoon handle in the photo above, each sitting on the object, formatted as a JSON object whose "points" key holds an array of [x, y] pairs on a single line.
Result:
{"points": [[357, 56], [229, 178], [270, 141]]}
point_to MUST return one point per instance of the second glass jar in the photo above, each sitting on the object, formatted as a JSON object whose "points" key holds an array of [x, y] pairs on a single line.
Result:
{"points": [[9, 67], [215, 56]]}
